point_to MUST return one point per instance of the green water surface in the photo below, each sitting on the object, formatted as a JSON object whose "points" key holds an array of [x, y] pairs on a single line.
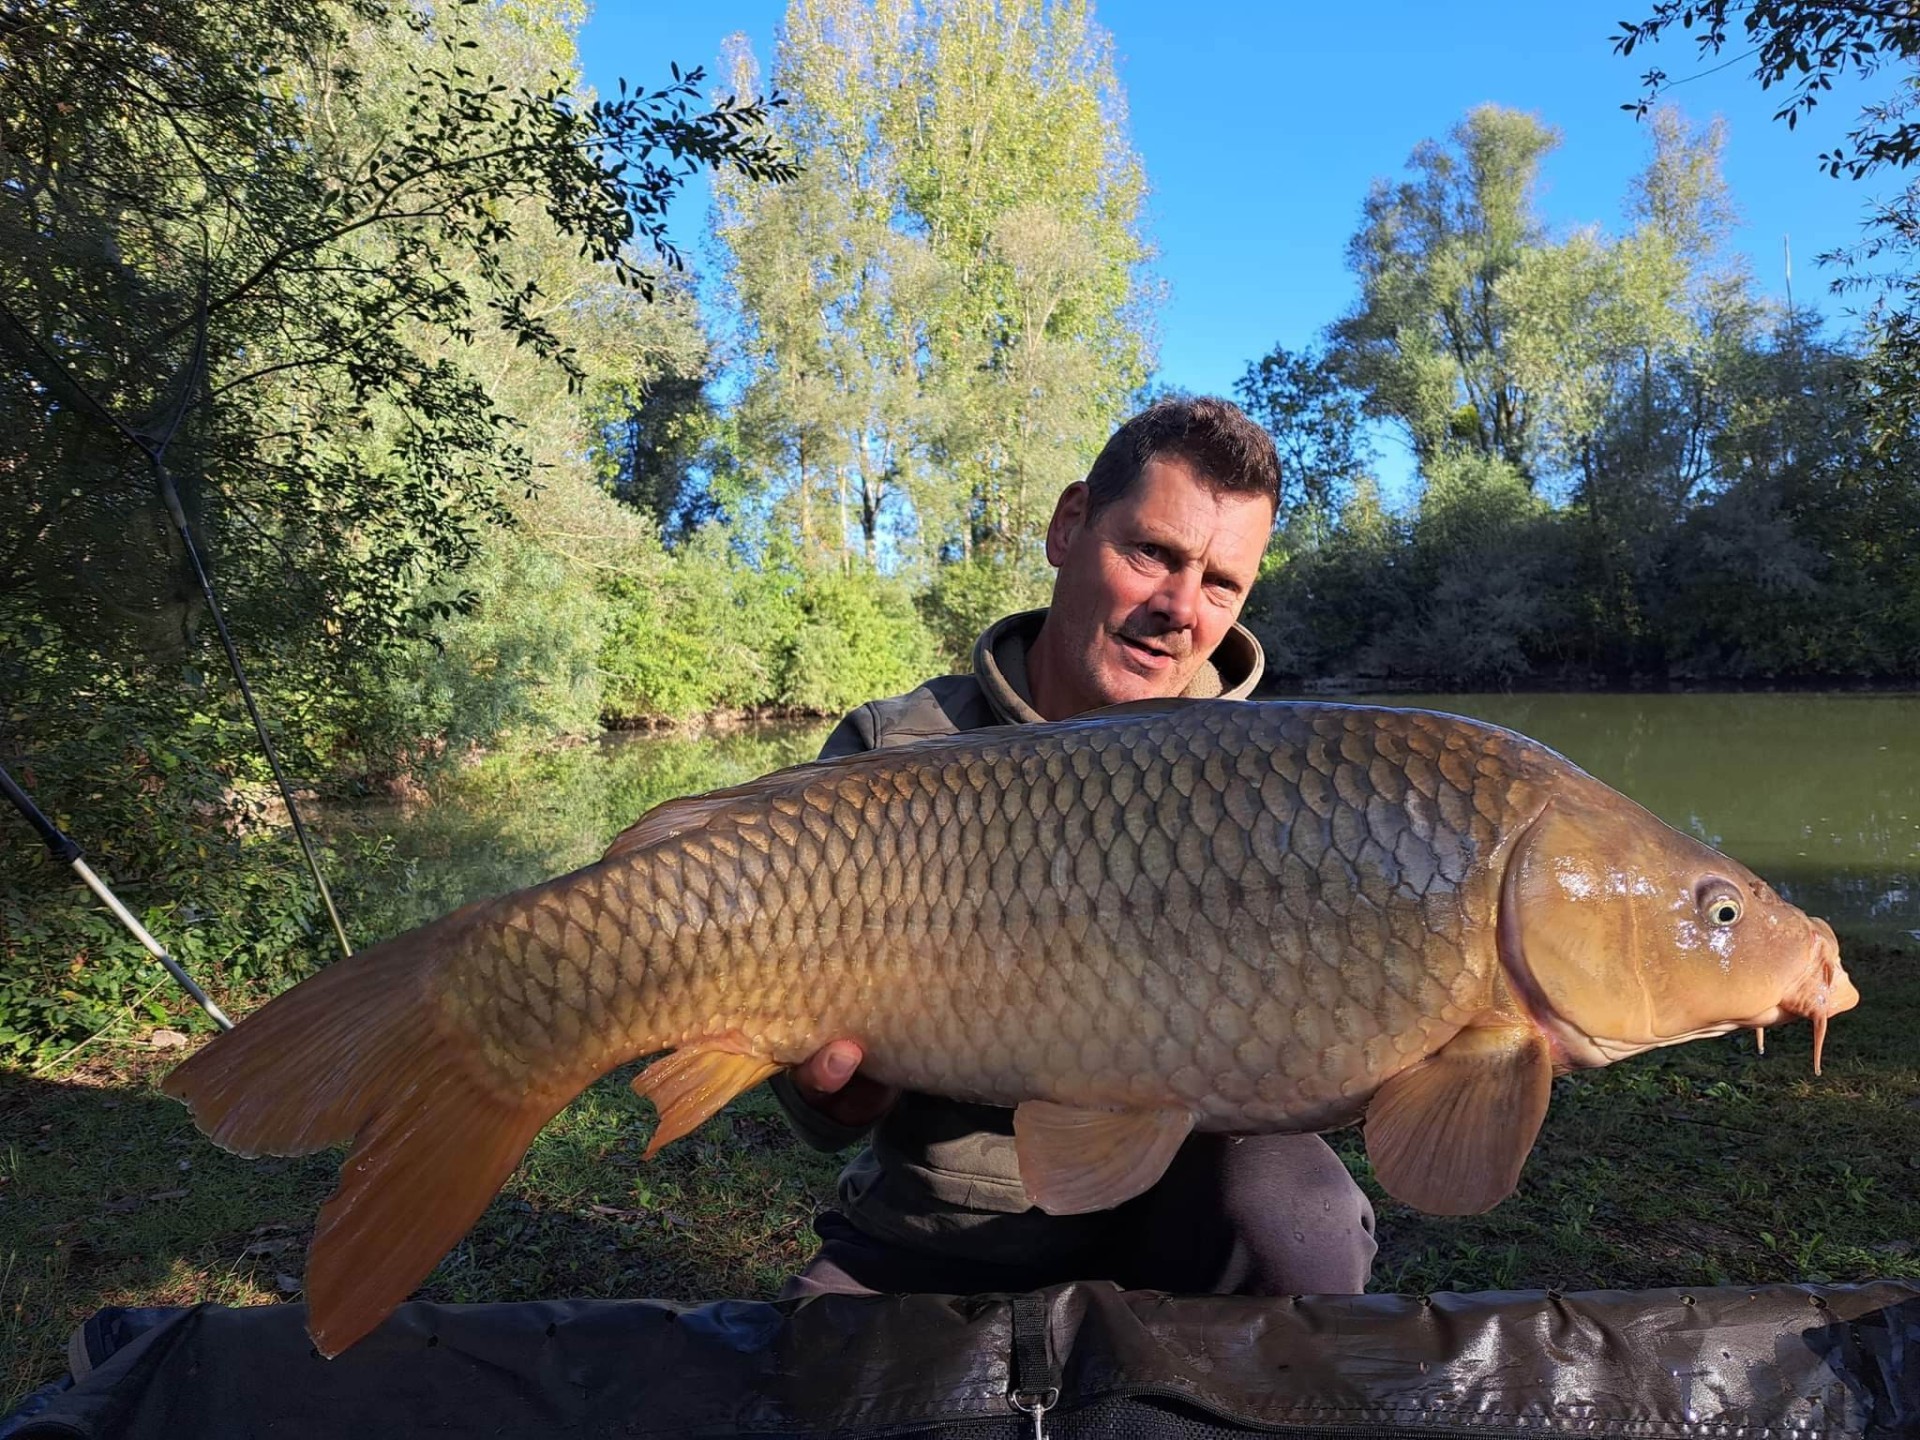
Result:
{"points": [[1820, 794]]}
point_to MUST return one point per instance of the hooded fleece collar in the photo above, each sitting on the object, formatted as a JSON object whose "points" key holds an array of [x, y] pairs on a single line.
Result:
{"points": [[1000, 665]]}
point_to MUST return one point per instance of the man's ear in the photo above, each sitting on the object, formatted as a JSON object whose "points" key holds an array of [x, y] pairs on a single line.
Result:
{"points": [[1069, 514]]}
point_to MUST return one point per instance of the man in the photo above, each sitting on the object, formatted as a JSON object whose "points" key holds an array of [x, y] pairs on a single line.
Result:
{"points": [[1156, 551]]}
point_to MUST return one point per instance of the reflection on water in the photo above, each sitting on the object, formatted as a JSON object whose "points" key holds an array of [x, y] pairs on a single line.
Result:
{"points": [[1819, 794], [516, 820]]}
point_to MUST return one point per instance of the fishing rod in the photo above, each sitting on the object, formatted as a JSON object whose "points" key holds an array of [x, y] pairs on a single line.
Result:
{"points": [[171, 498], [61, 848], [153, 449]]}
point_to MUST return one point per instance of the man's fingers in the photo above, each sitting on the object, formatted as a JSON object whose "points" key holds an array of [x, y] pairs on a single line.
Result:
{"points": [[829, 1080], [828, 1069]]}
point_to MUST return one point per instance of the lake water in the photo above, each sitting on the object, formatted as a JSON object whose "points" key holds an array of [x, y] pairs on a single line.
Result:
{"points": [[1820, 794]]}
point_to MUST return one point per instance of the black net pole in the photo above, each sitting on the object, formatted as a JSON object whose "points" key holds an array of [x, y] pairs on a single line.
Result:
{"points": [[62, 848], [154, 453], [172, 500]]}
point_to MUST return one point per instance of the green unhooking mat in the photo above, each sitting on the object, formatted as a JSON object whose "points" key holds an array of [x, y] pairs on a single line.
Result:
{"points": [[1782, 1362]]}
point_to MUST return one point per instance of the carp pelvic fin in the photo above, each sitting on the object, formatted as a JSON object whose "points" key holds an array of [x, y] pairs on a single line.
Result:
{"points": [[693, 1084], [1073, 1160], [1449, 1135], [360, 1054]]}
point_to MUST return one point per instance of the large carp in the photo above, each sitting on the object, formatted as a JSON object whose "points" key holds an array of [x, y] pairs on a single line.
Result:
{"points": [[1164, 917]]}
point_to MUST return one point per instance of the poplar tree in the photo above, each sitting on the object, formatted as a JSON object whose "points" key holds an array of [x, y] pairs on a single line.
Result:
{"points": [[945, 316], [1020, 169]]}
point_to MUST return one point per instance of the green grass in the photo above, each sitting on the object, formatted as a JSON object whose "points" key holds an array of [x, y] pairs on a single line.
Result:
{"points": [[1701, 1165], [1706, 1164]]}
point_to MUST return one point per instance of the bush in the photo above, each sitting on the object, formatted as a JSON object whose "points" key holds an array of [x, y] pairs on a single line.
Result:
{"points": [[859, 638], [695, 631], [1467, 591], [155, 786], [1317, 606], [701, 630], [968, 596], [1481, 557]]}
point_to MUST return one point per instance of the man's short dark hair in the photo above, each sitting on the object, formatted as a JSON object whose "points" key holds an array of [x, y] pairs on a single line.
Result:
{"points": [[1226, 449]]}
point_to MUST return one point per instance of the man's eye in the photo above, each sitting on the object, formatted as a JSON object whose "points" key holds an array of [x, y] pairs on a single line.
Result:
{"points": [[1150, 552]]}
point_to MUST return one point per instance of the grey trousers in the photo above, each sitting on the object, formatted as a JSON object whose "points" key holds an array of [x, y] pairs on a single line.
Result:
{"points": [[1252, 1215]]}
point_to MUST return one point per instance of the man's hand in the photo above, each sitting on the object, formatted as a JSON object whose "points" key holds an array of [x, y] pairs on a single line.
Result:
{"points": [[829, 1081]]}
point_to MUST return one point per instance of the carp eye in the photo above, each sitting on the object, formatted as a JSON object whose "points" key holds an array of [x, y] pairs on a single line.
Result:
{"points": [[1720, 904]]}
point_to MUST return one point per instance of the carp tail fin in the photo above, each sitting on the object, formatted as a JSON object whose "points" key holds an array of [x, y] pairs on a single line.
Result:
{"points": [[418, 1178], [361, 1054]]}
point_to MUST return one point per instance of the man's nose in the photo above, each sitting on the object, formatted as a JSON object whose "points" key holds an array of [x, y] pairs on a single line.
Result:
{"points": [[1177, 600]]}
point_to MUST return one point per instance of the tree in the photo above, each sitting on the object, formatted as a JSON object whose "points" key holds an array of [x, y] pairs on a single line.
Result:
{"points": [[1481, 557], [1018, 166], [832, 293], [943, 317], [1805, 45], [212, 260], [1657, 432], [652, 417], [1430, 342], [1318, 611], [1315, 422], [328, 286], [834, 335]]}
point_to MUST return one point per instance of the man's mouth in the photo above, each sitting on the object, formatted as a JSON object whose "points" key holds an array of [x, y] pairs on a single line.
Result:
{"points": [[1153, 655]]}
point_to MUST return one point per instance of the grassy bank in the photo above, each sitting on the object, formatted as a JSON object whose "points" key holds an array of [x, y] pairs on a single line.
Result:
{"points": [[1706, 1164]]}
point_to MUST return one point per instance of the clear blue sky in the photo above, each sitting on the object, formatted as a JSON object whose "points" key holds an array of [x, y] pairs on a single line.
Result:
{"points": [[1261, 126]]}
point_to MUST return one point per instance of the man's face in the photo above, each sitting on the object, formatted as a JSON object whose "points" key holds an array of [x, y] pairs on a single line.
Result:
{"points": [[1147, 588]]}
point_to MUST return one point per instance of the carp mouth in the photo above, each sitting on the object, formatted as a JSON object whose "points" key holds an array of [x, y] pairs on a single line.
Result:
{"points": [[1825, 989]]}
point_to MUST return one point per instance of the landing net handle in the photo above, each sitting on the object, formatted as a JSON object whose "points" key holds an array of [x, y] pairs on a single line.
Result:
{"points": [[62, 849]]}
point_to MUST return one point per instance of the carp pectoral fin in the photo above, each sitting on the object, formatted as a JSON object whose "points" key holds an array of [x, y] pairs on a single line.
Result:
{"points": [[1074, 1160], [693, 1084], [1449, 1135]]}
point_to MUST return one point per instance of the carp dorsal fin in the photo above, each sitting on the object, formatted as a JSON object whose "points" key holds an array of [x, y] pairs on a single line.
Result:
{"points": [[1449, 1135], [693, 1084], [690, 812], [1140, 707], [668, 819], [1073, 1160]]}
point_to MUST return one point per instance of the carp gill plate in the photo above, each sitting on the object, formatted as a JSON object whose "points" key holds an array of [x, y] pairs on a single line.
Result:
{"points": [[1214, 915]]}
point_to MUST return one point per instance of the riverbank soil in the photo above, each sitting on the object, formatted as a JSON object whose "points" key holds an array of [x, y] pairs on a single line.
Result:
{"points": [[1706, 1164]]}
